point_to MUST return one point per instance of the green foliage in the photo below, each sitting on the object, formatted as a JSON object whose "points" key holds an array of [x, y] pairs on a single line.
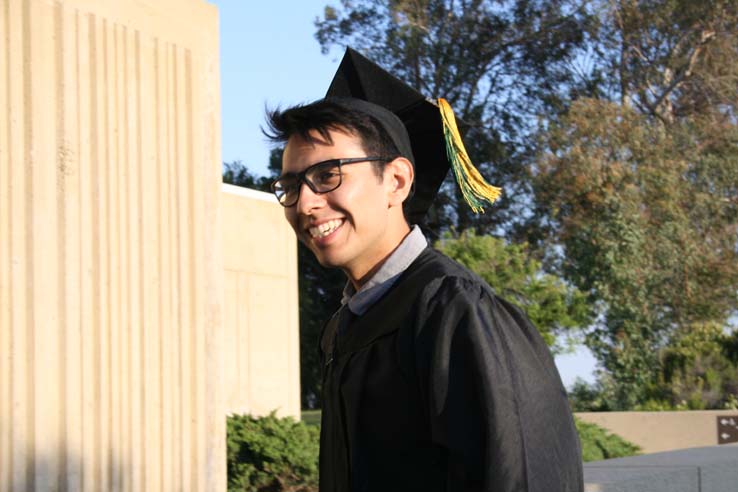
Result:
{"points": [[729, 347], [696, 374], [270, 454], [586, 397], [648, 228], [554, 307], [599, 444], [731, 403], [666, 58], [237, 174], [640, 182]]}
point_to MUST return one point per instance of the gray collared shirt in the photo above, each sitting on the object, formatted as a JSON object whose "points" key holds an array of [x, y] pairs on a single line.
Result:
{"points": [[401, 258]]}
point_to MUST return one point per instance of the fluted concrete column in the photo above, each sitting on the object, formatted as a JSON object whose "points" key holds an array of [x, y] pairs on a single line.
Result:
{"points": [[110, 263]]}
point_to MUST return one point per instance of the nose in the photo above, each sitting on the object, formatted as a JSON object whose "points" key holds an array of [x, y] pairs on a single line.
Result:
{"points": [[308, 200]]}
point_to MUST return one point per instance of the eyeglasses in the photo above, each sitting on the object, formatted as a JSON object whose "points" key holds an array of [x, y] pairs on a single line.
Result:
{"points": [[322, 177]]}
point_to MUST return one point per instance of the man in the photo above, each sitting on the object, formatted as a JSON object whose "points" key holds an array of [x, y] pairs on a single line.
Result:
{"points": [[430, 381]]}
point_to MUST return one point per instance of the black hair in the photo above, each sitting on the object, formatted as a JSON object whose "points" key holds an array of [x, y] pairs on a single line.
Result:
{"points": [[324, 115]]}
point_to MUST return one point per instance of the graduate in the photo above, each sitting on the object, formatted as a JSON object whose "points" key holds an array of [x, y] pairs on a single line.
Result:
{"points": [[430, 381]]}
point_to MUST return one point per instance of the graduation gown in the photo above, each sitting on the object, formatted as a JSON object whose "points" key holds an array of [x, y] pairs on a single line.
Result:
{"points": [[443, 386]]}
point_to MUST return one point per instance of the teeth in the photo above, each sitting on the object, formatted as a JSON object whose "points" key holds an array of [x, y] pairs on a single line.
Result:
{"points": [[325, 228]]}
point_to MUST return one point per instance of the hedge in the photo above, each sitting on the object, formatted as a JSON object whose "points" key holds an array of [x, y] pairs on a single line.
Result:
{"points": [[270, 454], [599, 444]]}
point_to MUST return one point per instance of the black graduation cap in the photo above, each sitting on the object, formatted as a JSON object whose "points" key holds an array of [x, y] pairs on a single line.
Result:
{"points": [[423, 130]]}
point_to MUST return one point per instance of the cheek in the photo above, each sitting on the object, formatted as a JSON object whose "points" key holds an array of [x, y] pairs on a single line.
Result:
{"points": [[358, 195]]}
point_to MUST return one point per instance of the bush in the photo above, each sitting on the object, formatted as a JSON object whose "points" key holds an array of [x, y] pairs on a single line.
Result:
{"points": [[271, 454], [598, 444]]}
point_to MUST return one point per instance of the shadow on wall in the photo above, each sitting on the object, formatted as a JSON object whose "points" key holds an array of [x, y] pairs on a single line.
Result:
{"points": [[69, 473]]}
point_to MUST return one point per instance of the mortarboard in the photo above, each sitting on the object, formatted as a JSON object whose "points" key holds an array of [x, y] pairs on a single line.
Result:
{"points": [[423, 130]]}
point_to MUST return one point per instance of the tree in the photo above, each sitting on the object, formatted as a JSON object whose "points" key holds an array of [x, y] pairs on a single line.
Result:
{"points": [[696, 373], [237, 174], [668, 58], [555, 308], [647, 219], [639, 185]]}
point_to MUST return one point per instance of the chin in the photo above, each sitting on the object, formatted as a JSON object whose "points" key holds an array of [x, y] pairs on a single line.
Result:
{"points": [[319, 255], [327, 262]]}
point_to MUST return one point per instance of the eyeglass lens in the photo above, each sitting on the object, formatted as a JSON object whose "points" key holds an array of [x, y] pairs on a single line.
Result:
{"points": [[321, 178]]}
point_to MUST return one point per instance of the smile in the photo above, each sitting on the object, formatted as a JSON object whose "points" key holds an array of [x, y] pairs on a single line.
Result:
{"points": [[325, 228]]}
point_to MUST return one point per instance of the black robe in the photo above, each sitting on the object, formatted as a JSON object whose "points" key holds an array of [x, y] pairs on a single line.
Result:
{"points": [[443, 386]]}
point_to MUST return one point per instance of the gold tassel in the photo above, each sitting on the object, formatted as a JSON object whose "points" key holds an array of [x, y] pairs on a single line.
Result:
{"points": [[473, 186]]}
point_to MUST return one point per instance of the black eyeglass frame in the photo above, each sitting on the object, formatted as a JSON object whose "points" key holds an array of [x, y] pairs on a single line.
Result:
{"points": [[301, 177]]}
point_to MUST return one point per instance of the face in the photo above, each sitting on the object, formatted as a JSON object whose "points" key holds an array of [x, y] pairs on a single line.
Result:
{"points": [[351, 227]]}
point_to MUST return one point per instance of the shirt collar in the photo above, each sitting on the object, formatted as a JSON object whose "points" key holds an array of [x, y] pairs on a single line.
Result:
{"points": [[408, 250]]}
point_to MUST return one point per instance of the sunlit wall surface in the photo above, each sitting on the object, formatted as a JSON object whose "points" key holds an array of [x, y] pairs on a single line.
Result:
{"points": [[110, 262], [261, 349]]}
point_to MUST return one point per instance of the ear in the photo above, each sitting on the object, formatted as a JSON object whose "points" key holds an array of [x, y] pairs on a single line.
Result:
{"points": [[398, 175]]}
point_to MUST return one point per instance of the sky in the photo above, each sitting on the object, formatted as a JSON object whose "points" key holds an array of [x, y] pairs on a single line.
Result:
{"points": [[269, 57]]}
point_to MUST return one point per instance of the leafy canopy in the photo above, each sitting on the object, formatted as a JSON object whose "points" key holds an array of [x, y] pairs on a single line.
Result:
{"points": [[554, 307]]}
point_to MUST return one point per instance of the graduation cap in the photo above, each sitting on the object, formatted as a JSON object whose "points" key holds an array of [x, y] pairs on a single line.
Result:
{"points": [[423, 130]]}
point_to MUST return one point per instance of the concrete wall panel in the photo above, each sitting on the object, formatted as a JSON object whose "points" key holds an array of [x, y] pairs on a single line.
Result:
{"points": [[261, 331], [661, 431], [110, 262]]}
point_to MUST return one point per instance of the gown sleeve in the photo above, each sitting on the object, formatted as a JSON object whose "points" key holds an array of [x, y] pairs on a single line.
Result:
{"points": [[495, 401]]}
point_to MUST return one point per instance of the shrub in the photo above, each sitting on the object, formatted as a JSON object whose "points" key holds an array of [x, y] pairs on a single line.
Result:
{"points": [[271, 454], [598, 444]]}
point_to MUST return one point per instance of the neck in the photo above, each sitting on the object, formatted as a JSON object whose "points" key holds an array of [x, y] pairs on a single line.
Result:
{"points": [[359, 277]]}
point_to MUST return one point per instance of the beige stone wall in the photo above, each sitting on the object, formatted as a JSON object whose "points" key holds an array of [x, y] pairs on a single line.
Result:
{"points": [[661, 431], [110, 262], [261, 333]]}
